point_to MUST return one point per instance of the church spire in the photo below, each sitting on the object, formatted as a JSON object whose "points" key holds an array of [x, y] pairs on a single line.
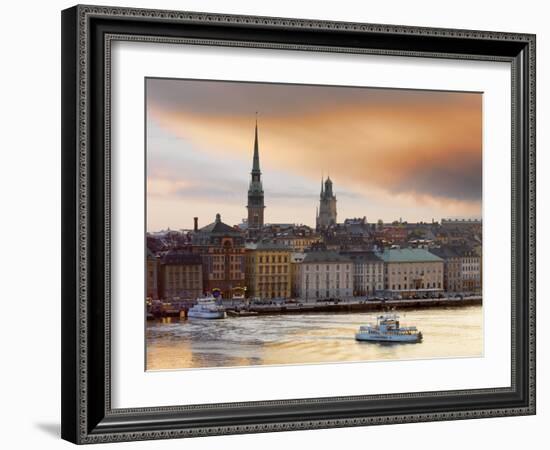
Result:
{"points": [[255, 204], [256, 159]]}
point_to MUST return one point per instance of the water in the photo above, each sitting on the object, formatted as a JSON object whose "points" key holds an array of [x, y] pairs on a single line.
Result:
{"points": [[307, 338]]}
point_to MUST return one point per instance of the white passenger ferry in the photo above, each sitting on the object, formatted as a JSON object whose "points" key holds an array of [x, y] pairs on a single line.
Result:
{"points": [[387, 329], [206, 308]]}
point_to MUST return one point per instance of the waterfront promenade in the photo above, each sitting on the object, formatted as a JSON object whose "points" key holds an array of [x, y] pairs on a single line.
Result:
{"points": [[353, 305], [344, 306]]}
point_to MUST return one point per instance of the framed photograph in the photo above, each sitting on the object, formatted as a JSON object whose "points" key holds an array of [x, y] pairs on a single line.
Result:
{"points": [[280, 224]]}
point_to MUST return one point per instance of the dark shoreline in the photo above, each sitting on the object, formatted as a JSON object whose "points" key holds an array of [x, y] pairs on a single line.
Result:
{"points": [[366, 306]]}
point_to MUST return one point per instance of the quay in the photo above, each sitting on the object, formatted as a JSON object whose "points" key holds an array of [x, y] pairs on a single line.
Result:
{"points": [[362, 306], [333, 306]]}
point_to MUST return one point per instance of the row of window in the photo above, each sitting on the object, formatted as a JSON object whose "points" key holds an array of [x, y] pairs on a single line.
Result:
{"points": [[337, 285], [182, 276], [368, 268], [175, 285], [326, 293], [272, 278], [414, 286], [327, 267], [274, 294], [274, 258], [326, 278], [416, 271], [362, 279], [232, 276], [273, 269]]}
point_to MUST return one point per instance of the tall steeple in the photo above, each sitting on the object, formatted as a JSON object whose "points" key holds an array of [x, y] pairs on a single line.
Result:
{"points": [[255, 204], [256, 158]]}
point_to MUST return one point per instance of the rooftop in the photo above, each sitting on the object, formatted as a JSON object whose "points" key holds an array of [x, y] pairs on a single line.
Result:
{"points": [[408, 255], [263, 245], [174, 257], [324, 256], [444, 252], [218, 227], [363, 256]]}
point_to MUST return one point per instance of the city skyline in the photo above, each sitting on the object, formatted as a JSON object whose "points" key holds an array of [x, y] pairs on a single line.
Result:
{"points": [[392, 154]]}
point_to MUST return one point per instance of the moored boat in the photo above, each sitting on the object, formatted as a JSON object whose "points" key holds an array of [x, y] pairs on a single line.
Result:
{"points": [[388, 329], [206, 308]]}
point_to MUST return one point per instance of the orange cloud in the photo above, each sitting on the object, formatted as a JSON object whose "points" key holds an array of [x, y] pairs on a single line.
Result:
{"points": [[426, 151]]}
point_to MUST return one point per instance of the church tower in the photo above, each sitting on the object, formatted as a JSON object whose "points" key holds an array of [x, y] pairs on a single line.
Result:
{"points": [[255, 191], [326, 216]]}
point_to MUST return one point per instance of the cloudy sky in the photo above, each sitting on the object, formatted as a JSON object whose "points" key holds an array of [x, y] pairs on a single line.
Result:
{"points": [[391, 153]]}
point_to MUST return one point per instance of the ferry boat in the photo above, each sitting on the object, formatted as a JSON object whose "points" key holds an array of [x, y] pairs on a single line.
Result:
{"points": [[206, 308], [387, 329]]}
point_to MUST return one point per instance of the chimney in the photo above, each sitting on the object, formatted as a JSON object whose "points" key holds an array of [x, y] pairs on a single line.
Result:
{"points": [[196, 223]]}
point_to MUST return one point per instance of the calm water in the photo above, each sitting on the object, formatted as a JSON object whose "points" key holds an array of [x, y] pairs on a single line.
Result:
{"points": [[307, 338]]}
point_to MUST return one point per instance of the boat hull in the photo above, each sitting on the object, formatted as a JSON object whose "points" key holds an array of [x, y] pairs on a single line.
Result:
{"points": [[370, 337]]}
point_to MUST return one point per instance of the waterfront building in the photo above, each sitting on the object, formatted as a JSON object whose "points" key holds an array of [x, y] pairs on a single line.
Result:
{"points": [[452, 272], [181, 275], [412, 271], [152, 269], [471, 269], [255, 204], [326, 214], [268, 272], [222, 251], [324, 274], [368, 272], [296, 259]]}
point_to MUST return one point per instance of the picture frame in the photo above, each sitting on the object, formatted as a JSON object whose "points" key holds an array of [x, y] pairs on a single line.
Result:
{"points": [[87, 412]]}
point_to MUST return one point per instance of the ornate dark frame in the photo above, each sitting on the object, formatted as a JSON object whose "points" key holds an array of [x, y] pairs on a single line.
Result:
{"points": [[87, 32]]}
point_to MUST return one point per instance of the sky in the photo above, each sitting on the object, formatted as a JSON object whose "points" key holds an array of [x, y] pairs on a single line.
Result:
{"points": [[392, 154]]}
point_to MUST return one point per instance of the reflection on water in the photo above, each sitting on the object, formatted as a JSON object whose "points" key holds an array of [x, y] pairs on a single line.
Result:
{"points": [[307, 338]]}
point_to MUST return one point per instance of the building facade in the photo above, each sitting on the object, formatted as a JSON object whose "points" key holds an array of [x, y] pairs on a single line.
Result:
{"points": [[296, 259], [368, 273], [181, 276], [268, 271], [471, 270], [324, 274], [222, 251], [452, 273], [409, 272], [326, 214], [152, 268], [255, 204]]}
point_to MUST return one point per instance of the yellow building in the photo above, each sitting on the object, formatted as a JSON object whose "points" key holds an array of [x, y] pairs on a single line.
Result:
{"points": [[268, 273]]}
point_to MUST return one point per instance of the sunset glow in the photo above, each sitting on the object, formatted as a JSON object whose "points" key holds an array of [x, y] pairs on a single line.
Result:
{"points": [[391, 153]]}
